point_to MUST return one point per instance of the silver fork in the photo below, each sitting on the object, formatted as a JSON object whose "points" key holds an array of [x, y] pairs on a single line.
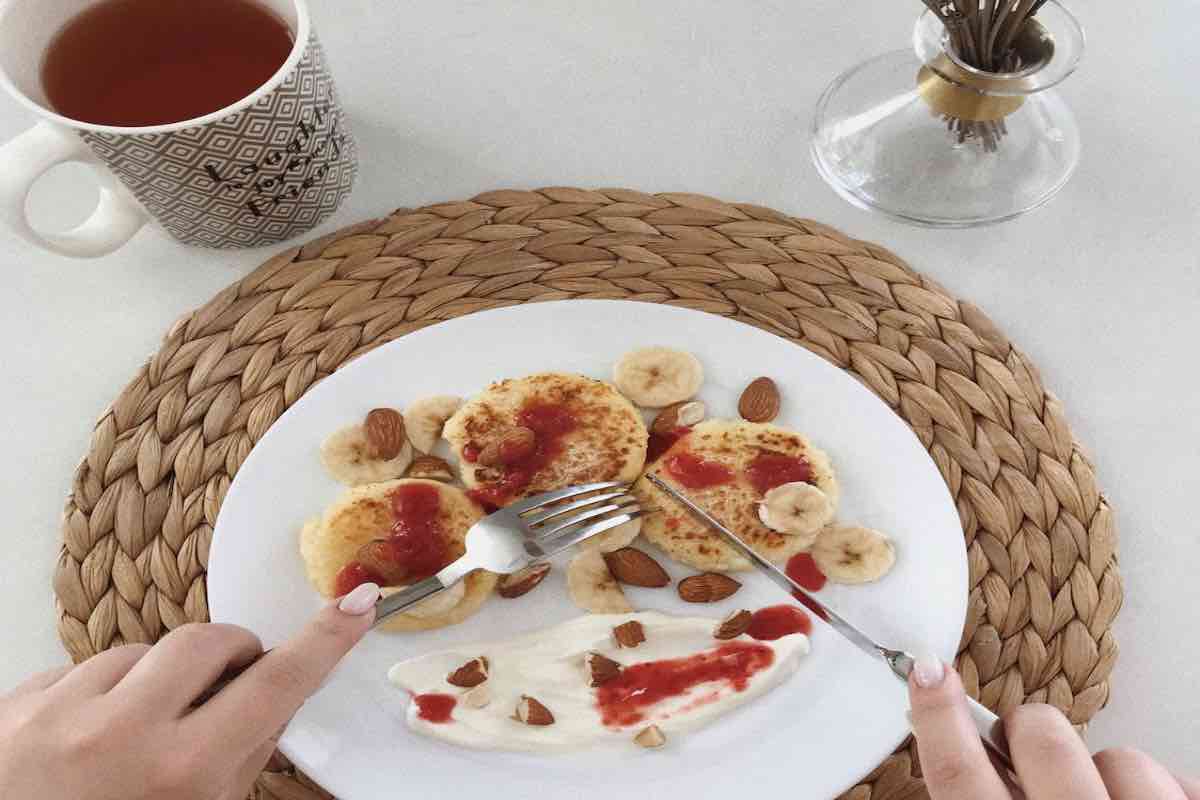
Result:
{"points": [[508, 540], [530, 530]]}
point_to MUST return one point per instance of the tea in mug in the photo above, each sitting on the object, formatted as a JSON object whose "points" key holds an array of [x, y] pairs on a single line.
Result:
{"points": [[135, 63]]}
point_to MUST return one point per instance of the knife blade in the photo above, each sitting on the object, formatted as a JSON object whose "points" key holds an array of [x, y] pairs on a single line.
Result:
{"points": [[991, 729], [899, 661]]}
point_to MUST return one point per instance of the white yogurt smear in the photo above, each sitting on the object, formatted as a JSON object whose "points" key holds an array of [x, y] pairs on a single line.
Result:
{"points": [[549, 666]]}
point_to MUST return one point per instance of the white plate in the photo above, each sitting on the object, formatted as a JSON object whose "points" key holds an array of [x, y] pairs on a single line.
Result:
{"points": [[834, 721]]}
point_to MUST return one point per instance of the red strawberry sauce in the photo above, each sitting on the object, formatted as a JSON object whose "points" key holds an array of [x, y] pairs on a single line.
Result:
{"points": [[775, 622], [769, 470], [415, 541], [550, 422], [624, 699], [435, 708], [694, 472]]}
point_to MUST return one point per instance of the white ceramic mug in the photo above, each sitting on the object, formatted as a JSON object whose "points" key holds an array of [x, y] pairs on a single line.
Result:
{"points": [[270, 166]]}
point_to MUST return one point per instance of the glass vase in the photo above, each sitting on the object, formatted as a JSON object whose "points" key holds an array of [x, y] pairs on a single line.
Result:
{"points": [[922, 136]]}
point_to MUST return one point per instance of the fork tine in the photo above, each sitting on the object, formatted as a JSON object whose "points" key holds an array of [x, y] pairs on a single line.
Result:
{"points": [[531, 503], [545, 515], [622, 504], [562, 542]]}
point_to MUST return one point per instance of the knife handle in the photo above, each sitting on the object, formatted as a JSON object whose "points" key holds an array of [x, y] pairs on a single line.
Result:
{"points": [[991, 731]]}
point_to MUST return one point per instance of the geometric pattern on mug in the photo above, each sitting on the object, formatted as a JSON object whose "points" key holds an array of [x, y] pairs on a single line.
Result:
{"points": [[256, 177]]}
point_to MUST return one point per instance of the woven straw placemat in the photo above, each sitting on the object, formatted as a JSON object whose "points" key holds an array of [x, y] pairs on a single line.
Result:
{"points": [[1040, 537]]}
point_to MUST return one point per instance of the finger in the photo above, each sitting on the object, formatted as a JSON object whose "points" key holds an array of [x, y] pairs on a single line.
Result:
{"points": [[247, 773], [101, 672], [40, 681], [1050, 758], [1132, 775], [267, 695], [1190, 786], [186, 662], [953, 760]]}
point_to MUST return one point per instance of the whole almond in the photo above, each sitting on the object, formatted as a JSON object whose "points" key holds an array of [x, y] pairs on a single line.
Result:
{"points": [[385, 433], [650, 737], [734, 625], [509, 448], [708, 587], [472, 673], [522, 582], [431, 468], [629, 634], [379, 558], [531, 712], [679, 415], [760, 401], [601, 668], [632, 566]]}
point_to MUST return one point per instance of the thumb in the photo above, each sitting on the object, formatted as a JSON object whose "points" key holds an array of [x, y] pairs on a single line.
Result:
{"points": [[268, 694]]}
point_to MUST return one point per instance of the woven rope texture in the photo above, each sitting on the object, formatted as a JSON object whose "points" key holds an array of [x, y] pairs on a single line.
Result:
{"points": [[1041, 542]]}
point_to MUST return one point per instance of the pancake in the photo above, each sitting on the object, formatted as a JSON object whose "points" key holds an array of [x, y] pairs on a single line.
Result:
{"points": [[585, 432], [364, 513], [734, 444]]}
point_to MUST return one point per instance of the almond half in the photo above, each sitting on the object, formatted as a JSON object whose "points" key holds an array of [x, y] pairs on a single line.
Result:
{"points": [[385, 433], [431, 468], [601, 668], [650, 737], [523, 581], [379, 558], [629, 634], [632, 566], [478, 697], [707, 587], [470, 674], [760, 401], [733, 625], [512, 446], [532, 712], [680, 415]]}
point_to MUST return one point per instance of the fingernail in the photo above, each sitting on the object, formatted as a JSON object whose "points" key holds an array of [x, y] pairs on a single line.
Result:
{"points": [[360, 600], [928, 671]]}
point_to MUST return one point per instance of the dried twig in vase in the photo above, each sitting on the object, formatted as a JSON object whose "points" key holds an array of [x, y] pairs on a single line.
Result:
{"points": [[981, 33]]}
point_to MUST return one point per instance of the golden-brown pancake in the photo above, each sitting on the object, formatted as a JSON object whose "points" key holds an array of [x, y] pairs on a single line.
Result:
{"points": [[585, 431], [364, 513], [735, 445]]}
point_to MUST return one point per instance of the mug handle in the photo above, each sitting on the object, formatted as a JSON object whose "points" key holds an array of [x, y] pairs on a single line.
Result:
{"points": [[26, 158]]}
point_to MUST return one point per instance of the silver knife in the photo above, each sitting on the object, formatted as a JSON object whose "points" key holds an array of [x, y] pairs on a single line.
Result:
{"points": [[990, 728]]}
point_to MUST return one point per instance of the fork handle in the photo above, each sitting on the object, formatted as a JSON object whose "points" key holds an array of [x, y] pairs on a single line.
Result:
{"points": [[406, 598], [384, 608]]}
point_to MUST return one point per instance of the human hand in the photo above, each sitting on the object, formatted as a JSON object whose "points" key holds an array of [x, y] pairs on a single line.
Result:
{"points": [[1051, 760], [121, 725]]}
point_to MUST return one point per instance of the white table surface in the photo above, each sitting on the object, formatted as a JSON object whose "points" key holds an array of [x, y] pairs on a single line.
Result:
{"points": [[1101, 288]]}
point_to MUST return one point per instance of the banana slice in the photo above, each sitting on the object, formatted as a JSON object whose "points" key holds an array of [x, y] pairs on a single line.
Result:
{"points": [[592, 586], [435, 606], [655, 377], [852, 554], [797, 509], [348, 458], [618, 537], [425, 418]]}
